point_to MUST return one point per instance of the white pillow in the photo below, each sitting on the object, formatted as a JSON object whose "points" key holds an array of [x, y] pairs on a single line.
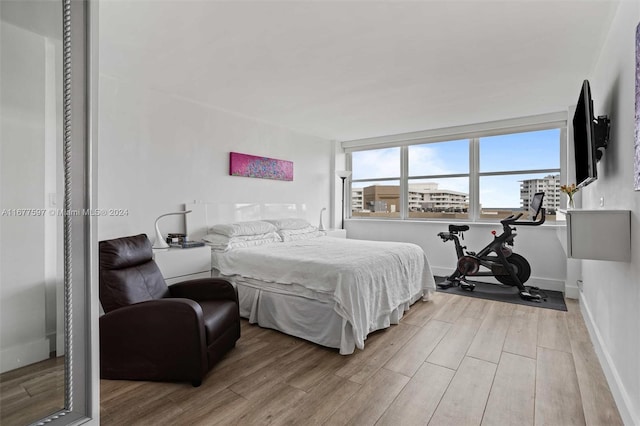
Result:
{"points": [[289, 223], [224, 243], [300, 234], [255, 227]]}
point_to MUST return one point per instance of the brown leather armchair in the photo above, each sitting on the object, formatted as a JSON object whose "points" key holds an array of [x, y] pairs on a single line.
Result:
{"points": [[153, 332]]}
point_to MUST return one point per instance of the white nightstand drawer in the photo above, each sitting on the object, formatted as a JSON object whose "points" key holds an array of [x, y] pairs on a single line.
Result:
{"points": [[183, 263]]}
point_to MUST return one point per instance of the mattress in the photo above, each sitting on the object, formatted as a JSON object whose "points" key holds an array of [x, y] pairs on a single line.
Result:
{"points": [[368, 283]]}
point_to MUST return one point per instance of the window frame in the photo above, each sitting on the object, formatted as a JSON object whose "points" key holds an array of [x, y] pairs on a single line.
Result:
{"points": [[472, 133]]}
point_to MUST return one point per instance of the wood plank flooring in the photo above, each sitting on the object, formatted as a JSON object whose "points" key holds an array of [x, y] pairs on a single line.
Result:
{"points": [[453, 361], [32, 392]]}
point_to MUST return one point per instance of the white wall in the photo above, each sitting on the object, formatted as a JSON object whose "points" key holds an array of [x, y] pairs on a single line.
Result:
{"points": [[611, 290], [27, 160], [158, 151]]}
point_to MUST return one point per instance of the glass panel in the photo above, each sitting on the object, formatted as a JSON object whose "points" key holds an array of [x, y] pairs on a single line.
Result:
{"points": [[446, 198], [441, 158], [31, 262], [375, 199], [521, 151], [376, 163], [501, 196]]}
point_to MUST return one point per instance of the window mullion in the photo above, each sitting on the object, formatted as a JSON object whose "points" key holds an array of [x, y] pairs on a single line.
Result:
{"points": [[404, 182], [474, 179]]}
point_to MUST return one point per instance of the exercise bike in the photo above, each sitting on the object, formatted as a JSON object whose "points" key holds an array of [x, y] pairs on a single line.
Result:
{"points": [[497, 258]]}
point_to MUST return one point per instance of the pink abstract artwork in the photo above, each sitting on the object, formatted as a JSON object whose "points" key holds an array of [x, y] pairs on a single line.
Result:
{"points": [[260, 167], [637, 135]]}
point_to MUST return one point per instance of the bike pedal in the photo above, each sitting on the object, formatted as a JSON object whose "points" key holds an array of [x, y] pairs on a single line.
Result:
{"points": [[531, 297], [467, 286], [446, 284]]}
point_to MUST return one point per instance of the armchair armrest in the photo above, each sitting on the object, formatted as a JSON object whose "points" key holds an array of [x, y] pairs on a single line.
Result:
{"points": [[205, 289], [161, 339]]}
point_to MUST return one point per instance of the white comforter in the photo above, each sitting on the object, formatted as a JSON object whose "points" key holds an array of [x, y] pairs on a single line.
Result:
{"points": [[366, 279]]}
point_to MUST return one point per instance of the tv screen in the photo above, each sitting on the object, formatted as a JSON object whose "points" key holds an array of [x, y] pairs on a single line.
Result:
{"points": [[584, 144]]}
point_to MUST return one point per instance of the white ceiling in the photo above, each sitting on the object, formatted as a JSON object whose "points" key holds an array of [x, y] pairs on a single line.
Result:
{"points": [[349, 70]]}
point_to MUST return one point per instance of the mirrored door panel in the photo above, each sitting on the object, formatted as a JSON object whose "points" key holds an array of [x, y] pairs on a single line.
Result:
{"points": [[46, 257], [31, 268], [31, 273]]}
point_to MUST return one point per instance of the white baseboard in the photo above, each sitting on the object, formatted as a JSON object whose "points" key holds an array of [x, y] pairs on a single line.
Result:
{"points": [[543, 283], [25, 354], [620, 394]]}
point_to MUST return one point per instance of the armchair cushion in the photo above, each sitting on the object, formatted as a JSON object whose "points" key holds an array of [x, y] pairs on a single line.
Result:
{"points": [[205, 289], [125, 252], [153, 340], [128, 273], [219, 316]]}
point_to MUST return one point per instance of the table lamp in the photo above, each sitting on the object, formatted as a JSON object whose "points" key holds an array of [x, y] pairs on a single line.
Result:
{"points": [[160, 242]]}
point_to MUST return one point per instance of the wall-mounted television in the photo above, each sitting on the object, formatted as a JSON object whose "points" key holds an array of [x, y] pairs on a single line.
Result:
{"points": [[590, 137]]}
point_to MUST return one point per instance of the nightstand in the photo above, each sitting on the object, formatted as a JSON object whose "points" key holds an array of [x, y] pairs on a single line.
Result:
{"points": [[181, 264], [336, 233]]}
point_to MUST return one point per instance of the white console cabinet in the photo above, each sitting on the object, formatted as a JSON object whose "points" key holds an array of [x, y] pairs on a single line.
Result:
{"points": [[599, 234], [181, 264]]}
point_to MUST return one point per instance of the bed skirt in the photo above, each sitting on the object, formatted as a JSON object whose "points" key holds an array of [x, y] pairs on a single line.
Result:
{"points": [[310, 319]]}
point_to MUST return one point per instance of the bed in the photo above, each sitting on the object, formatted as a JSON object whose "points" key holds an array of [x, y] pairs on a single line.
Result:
{"points": [[330, 291]]}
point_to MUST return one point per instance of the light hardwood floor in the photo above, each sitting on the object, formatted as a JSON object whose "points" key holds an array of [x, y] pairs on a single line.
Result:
{"points": [[30, 393], [452, 361]]}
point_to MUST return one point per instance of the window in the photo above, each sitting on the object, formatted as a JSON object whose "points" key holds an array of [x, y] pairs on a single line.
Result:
{"points": [[481, 177], [375, 189], [515, 166], [438, 180]]}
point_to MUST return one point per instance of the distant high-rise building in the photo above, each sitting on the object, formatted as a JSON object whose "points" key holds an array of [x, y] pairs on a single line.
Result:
{"points": [[427, 196], [550, 185]]}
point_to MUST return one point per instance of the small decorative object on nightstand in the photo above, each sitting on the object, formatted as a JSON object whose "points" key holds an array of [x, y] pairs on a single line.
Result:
{"points": [[180, 264], [336, 233]]}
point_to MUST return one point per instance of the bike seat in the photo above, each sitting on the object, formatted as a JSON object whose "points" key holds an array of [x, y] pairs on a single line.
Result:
{"points": [[458, 228]]}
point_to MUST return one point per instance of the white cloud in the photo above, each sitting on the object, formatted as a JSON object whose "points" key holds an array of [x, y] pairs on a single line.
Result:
{"points": [[378, 163], [424, 160]]}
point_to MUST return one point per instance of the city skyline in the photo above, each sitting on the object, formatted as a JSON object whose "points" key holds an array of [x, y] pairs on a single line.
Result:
{"points": [[550, 185]]}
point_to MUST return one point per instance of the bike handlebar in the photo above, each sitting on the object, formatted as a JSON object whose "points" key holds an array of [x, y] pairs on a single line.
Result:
{"points": [[513, 220]]}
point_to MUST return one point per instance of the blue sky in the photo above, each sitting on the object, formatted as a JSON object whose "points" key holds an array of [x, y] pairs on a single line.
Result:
{"points": [[522, 151]]}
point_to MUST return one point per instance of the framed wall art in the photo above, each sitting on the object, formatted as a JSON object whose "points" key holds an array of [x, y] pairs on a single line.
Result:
{"points": [[260, 167], [636, 168]]}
